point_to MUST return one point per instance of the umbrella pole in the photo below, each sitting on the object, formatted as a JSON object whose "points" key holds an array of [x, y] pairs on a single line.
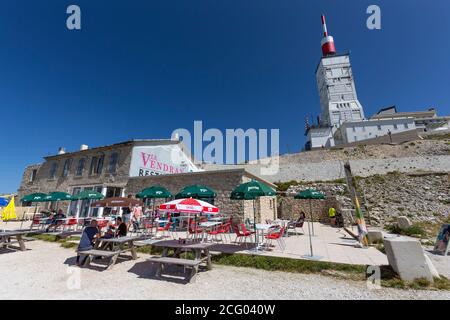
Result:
{"points": [[34, 214], [152, 218], [312, 219], [310, 241], [254, 224], [21, 223]]}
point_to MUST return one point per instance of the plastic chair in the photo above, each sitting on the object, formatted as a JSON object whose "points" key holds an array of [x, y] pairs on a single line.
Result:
{"points": [[241, 234], [166, 229], [72, 222], [278, 236]]}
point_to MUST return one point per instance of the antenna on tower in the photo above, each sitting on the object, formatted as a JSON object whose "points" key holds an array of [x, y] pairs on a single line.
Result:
{"points": [[327, 43]]}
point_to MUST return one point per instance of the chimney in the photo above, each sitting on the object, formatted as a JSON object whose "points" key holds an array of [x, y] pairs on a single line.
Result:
{"points": [[84, 147], [61, 150]]}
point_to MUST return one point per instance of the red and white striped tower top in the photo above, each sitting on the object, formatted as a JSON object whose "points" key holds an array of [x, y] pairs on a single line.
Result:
{"points": [[327, 42]]}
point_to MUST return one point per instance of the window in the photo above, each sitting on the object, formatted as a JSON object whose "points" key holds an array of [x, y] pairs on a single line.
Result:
{"points": [[354, 129], [379, 127], [112, 167], [355, 138], [93, 167], [94, 211], [66, 169], [33, 175], [364, 129], [73, 208], [80, 167], [96, 165], [406, 126], [100, 162], [395, 126], [53, 169]]}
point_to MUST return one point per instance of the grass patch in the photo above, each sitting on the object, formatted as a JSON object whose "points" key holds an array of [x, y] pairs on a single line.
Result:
{"points": [[285, 264], [44, 237]]}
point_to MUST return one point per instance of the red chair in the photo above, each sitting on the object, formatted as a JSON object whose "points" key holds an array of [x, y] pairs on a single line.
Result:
{"points": [[71, 222], [244, 229], [218, 231], [147, 224], [278, 236], [193, 229], [244, 234], [166, 229], [225, 230], [36, 222]]}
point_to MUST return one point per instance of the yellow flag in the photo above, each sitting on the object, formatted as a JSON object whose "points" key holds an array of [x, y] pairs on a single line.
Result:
{"points": [[10, 211]]}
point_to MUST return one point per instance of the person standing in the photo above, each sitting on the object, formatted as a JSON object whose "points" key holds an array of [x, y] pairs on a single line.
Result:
{"points": [[126, 214], [332, 216], [136, 217]]}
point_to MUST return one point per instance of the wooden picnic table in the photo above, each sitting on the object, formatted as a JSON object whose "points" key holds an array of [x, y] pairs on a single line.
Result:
{"points": [[112, 248], [5, 239], [201, 252]]}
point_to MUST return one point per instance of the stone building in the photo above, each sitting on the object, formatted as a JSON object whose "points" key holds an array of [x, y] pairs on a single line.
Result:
{"points": [[128, 167]]}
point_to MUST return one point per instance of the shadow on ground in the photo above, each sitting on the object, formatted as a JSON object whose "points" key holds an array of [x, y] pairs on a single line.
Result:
{"points": [[171, 273]]}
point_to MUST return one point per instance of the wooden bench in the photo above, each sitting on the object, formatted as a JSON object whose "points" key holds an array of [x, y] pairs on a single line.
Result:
{"points": [[113, 255], [5, 239], [193, 264]]}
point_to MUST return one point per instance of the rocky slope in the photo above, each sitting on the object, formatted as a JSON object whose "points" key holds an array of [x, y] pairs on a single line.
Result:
{"points": [[420, 197]]}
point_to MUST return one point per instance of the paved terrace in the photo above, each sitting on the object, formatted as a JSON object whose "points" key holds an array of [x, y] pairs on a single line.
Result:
{"points": [[331, 244]]}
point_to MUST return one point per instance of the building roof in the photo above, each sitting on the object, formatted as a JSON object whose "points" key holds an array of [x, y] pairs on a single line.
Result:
{"points": [[138, 142], [391, 109], [414, 114], [209, 172]]}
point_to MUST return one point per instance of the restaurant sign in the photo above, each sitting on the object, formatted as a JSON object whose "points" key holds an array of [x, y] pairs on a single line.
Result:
{"points": [[159, 160]]}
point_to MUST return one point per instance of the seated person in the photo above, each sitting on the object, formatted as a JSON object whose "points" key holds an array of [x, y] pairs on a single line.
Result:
{"points": [[121, 227], [55, 220], [109, 233], [88, 237]]}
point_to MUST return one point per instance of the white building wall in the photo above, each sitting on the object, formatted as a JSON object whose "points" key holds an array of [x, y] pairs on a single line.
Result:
{"points": [[369, 129], [321, 137]]}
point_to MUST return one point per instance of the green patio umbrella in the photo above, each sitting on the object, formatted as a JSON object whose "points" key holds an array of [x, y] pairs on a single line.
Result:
{"points": [[88, 195], [251, 191], [154, 192], [35, 198], [58, 196], [196, 192], [310, 194]]}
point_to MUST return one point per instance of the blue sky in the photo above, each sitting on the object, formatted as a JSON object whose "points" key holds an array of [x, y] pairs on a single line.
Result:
{"points": [[142, 68]]}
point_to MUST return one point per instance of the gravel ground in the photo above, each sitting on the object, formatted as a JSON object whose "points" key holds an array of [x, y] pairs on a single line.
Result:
{"points": [[46, 271]]}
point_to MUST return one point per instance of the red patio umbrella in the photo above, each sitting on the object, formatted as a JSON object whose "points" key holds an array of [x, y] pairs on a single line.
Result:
{"points": [[193, 206], [189, 206]]}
